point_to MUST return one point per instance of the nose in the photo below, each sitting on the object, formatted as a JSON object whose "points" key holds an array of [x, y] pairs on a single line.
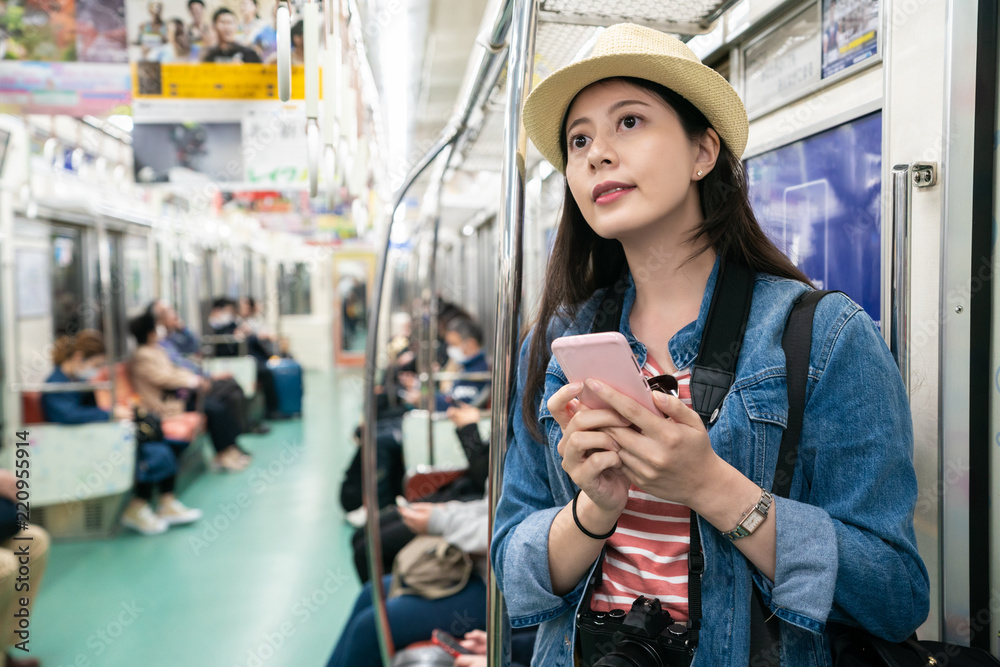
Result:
{"points": [[602, 152]]}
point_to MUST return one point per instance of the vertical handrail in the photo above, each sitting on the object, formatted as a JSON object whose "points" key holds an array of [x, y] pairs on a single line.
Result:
{"points": [[900, 292], [520, 69], [434, 191], [106, 295], [369, 460]]}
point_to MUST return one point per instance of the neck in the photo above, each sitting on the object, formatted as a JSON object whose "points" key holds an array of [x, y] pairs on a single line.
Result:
{"points": [[666, 272], [67, 368]]}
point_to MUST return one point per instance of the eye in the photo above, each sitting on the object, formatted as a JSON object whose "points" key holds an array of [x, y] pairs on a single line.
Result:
{"points": [[629, 122], [578, 141]]}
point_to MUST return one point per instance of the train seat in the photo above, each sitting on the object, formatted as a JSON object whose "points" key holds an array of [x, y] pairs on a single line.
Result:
{"points": [[422, 481], [243, 369], [31, 408]]}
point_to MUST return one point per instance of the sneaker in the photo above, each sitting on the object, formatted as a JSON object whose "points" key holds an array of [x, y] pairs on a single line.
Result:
{"points": [[143, 520], [230, 461], [358, 517], [175, 513]]}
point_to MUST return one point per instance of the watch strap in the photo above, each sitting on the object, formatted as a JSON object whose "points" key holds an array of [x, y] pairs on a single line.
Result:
{"points": [[762, 507]]}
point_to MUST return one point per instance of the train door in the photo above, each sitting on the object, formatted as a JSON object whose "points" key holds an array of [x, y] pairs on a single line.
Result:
{"points": [[938, 174]]}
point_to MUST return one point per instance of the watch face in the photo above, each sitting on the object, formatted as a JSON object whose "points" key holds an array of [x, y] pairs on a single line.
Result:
{"points": [[754, 520]]}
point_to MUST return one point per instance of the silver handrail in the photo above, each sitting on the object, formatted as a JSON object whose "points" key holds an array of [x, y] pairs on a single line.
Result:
{"points": [[899, 295], [473, 96], [58, 387], [520, 69], [369, 459]]}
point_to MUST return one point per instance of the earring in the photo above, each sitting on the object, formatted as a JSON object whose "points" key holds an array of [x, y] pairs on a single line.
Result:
{"points": [[700, 172]]}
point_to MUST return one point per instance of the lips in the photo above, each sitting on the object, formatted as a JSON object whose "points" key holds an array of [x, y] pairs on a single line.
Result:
{"points": [[609, 191]]}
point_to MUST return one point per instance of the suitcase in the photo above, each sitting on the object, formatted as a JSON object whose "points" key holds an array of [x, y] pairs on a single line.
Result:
{"points": [[287, 375]]}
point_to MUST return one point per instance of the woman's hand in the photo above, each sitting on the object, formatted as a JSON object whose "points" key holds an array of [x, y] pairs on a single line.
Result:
{"points": [[590, 454], [475, 641], [417, 516], [669, 458], [462, 414]]}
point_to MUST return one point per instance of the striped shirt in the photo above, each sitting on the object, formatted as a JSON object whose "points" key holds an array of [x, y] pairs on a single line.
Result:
{"points": [[648, 554]]}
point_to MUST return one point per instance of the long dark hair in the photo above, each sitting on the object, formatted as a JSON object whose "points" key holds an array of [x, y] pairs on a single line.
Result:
{"points": [[582, 262]]}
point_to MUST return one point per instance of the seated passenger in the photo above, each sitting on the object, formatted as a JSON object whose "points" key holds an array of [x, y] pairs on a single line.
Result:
{"points": [[77, 359], [412, 617], [260, 343], [394, 529], [465, 347], [14, 590], [522, 644], [222, 322], [167, 390], [170, 330]]}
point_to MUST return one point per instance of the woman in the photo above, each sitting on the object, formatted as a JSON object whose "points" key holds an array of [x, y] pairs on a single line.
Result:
{"points": [[656, 195], [79, 359], [157, 382]]}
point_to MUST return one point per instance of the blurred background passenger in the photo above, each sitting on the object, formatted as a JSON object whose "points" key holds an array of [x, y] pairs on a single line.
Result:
{"points": [[77, 359], [168, 390], [227, 49], [17, 582], [412, 616]]}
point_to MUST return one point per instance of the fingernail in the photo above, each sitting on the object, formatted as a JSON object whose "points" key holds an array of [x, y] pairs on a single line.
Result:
{"points": [[576, 386], [595, 385]]}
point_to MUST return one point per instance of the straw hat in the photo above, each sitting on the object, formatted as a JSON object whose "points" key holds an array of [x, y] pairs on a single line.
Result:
{"points": [[635, 51]]}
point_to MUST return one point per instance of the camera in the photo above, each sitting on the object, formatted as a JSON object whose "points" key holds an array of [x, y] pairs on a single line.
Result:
{"points": [[646, 636]]}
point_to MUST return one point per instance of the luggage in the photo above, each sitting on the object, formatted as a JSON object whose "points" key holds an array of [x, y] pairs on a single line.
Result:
{"points": [[287, 374]]}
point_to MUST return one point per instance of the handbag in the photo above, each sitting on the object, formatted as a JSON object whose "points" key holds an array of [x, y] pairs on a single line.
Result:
{"points": [[850, 646], [430, 567], [148, 427]]}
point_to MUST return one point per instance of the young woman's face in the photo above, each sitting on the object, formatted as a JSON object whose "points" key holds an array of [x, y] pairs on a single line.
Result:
{"points": [[629, 162]]}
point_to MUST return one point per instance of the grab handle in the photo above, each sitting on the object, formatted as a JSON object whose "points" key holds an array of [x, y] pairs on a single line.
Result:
{"points": [[899, 293], [284, 38]]}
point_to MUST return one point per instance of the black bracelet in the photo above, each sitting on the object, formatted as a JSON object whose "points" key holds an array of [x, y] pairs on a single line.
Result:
{"points": [[584, 530]]}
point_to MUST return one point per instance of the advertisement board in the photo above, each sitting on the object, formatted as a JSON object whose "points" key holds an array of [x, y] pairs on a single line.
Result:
{"points": [[819, 200]]}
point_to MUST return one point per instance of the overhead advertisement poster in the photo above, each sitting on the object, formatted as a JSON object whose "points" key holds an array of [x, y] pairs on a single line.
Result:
{"points": [[63, 57], [819, 201], [850, 33]]}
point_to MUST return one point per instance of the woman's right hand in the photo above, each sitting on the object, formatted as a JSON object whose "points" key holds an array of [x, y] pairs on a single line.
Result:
{"points": [[590, 455]]}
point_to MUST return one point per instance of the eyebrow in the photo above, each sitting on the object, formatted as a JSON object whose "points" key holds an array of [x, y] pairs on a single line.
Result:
{"points": [[614, 107]]}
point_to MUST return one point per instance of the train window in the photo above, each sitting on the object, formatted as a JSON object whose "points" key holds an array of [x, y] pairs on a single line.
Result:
{"points": [[68, 292], [137, 274], [294, 289]]}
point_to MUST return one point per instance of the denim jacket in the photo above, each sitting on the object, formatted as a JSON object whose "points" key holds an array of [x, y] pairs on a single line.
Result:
{"points": [[846, 549]]}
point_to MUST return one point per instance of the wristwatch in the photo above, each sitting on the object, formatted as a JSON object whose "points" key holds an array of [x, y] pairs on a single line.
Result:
{"points": [[753, 518]]}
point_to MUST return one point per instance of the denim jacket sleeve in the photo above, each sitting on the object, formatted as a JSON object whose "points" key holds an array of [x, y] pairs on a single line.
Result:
{"points": [[519, 549], [848, 531]]}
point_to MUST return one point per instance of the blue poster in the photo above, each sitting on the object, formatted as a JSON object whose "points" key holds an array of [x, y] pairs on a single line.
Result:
{"points": [[819, 200]]}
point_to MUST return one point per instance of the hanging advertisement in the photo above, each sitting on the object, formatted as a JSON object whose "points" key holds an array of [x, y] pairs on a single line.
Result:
{"points": [[43, 30], [779, 65], [819, 201], [101, 34], [73, 89], [207, 31], [179, 152], [850, 33]]}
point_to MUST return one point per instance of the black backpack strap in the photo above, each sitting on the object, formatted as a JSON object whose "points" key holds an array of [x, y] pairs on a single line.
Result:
{"points": [[722, 339], [796, 342], [765, 634]]}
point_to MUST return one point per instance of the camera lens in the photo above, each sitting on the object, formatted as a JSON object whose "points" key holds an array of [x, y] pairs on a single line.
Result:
{"points": [[631, 654]]}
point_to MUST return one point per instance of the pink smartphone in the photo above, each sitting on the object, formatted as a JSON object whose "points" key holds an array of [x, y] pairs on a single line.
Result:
{"points": [[607, 358]]}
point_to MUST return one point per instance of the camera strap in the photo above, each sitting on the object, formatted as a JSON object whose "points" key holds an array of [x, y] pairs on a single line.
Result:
{"points": [[711, 377]]}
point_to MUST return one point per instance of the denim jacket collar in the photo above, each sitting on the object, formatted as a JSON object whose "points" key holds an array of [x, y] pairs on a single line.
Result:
{"points": [[684, 344]]}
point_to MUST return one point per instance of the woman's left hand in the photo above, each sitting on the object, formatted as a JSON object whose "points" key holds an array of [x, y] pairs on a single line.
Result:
{"points": [[671, 458], [417, 516]]}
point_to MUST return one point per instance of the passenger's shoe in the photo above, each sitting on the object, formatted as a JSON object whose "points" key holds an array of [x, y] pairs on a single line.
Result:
{"points": [[13, 661], [175, 513], [261, 429], [358, 517], [143, 520], [230, 461]]}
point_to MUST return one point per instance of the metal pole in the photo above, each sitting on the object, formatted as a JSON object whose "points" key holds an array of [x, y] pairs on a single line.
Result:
{"points": [[106, 295], [520, 70], [432, 302], [369, 459]]}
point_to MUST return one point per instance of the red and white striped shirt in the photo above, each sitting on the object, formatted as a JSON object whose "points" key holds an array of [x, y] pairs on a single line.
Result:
{"points": [[648, 554]]}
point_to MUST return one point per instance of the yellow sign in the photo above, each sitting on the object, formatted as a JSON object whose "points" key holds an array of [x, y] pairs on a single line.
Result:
{"points": [[212, 81]]}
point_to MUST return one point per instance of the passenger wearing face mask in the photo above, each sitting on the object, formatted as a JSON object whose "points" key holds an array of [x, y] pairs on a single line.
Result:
{"points": [[464, 339], [78, 359]]}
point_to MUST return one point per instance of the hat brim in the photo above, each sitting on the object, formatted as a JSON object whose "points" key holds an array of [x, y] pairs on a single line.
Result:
{"points": [[705, 88]]}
